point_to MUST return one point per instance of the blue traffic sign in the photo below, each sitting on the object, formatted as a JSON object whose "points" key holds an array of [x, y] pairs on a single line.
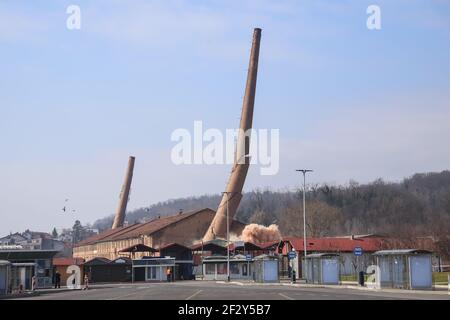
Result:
{"points": [[358, 251], [248, 257], [292, 255]]}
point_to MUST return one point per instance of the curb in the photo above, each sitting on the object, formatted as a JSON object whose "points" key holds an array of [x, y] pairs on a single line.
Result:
{"points": [[18, 296], [353, 287]]}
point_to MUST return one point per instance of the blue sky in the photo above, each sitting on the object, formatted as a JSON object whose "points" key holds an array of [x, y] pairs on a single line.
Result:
{"points": [[349, 102]]}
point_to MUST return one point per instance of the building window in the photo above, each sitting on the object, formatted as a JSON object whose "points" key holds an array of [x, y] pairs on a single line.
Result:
{"points": [[153, 273], [221, 268], [210, 268], [234, 268], [244, 270]]}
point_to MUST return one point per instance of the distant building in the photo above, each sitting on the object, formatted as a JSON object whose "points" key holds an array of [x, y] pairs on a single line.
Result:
{"points": [[32, 240], [12, 239]]}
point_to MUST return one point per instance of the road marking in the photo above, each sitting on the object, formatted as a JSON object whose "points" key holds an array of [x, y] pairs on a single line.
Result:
{"points": [[191, 296], [286, 297], [124, 296]]}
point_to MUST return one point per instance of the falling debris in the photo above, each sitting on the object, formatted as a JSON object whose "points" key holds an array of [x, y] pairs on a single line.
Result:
{"points": [[256, 233]]}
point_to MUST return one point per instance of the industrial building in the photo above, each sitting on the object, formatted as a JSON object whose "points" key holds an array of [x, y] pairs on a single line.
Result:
{"points": [[181, 228]]}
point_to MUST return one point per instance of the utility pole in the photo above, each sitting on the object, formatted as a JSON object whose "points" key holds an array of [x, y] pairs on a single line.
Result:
{"points": [[228, 238], [304, 171]]}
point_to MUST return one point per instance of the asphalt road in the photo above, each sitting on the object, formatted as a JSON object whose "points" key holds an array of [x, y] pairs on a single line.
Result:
{"points": [[210, 290]]}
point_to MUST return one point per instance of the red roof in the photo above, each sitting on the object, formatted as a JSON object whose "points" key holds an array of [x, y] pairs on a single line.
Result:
{"points": [[336, 244], [67, 261]]}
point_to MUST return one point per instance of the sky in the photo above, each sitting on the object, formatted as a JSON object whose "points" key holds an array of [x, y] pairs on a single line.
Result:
{"points": [[349, 102]]}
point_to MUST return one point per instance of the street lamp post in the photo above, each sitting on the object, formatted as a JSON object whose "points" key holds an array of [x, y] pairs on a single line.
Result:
{"points": [[304, 171], [228, 239]]}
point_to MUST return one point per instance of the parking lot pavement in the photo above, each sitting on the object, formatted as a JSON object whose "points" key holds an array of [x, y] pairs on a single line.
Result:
{"points": [[211, 290]]}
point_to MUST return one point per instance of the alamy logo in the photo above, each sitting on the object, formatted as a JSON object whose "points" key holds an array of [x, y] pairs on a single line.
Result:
{"points": [[212, 146], [374, 19], [73, 22]]}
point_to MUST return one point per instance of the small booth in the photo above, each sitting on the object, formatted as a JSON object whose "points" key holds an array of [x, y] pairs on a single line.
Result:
{"points": [[5, 267], [201, 250], [405, 269], [215, 268], [322, 268], [104, 270], [213, 247], [184, 263], [265, 268], [62, 265], [152, 268]]}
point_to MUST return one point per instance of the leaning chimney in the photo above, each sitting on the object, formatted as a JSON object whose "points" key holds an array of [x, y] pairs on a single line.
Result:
{"points": [[124, 194], [232, 197]]}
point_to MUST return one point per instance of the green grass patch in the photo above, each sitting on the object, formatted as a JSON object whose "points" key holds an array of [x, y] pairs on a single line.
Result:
{"points": [[352, 277], [440, 277]]}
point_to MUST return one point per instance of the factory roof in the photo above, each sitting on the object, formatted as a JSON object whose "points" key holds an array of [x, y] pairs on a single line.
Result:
{"points": [[138, 229]]}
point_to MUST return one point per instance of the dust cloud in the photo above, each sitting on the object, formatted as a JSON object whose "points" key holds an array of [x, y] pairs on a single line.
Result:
{"points": [[257, 233]]}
